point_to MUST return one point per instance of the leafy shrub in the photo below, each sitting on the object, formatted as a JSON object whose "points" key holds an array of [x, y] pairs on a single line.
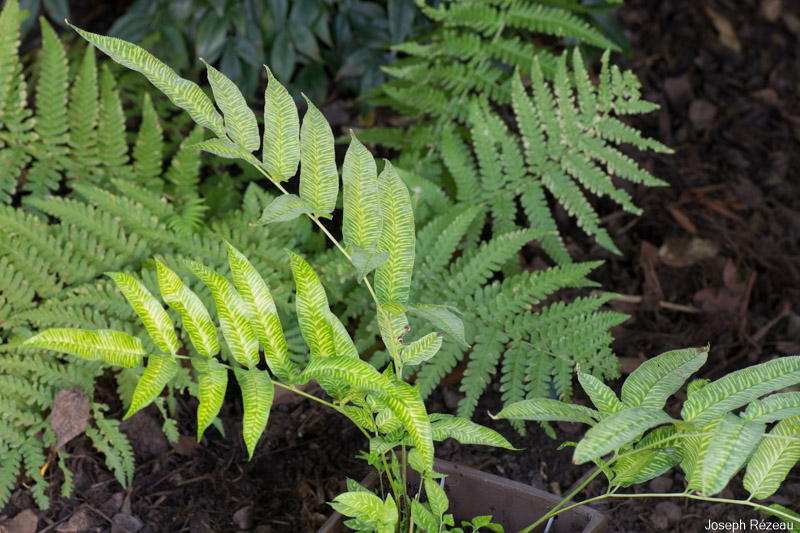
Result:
{"points": [[633, 440], [308, 42], [378, 230]]}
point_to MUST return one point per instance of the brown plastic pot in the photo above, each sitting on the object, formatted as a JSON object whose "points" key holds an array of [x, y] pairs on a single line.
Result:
{"points": [[514, 505]]}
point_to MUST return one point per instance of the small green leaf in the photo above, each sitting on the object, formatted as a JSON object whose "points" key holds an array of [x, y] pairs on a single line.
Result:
{"points": [[443, 317], [406, 404], [547, 410], [358, 374], [183, 93], [423, 517], [312, 308], [212, 380], [284, 208], [232, 313], [740, 387], [657, 379], [257, 394], [366, 261], [319, 180], [617, 430], [601, 394], [228, 150], [159, 371], [437, 499], [153, 316], [240, 121], [731, 444], [465, 431], [262, 313], [281, 129], [194, 316], [362, 222], [773, 408], [422, 349], [393, 277], [114, 347], [775, 456]]}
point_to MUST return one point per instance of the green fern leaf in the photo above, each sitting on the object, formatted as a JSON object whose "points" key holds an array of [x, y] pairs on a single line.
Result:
{"points": [[155, 319], [240, 121], [775, 456], [312, 308], [233, 318], [159, 371], [393, 277], [114, 347], [319, 180], [262, 314], [183, 93], [212, 381], [773, 408], [257, 394], [657, 379], [149, 147], [731, 444], [194, 316], [740, 387], [601, 394], [362, 222], [617, 430], [281, 130], [422, 349]]}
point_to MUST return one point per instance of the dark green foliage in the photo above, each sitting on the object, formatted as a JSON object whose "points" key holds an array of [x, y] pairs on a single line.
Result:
{"points": [[309, 42]]}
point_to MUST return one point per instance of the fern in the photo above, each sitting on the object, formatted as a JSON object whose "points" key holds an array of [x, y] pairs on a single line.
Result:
{"points": [[118, 204], [459, 81]]}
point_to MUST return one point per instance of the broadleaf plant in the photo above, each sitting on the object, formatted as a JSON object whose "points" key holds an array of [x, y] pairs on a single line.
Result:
{"points": [[379, 403], [722, 428]]}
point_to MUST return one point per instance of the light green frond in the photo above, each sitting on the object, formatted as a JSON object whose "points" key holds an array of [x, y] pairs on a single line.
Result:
{"points": [[740, 387], [159, 371], [284, 208], [226, 149], [466, 432], [212, 382], [183, 93], [358, 374], [114, 347], [312, 308], [422, 349], [406, 404], [547, 410], [393, 277], [773, 408], [281, 130], [731, 444], [194, 316], [236, 328], [617, 430], [601, 394], [657, 379], [775, 456], [155, 319], [262, 313], [319, 179], [240, 121], [362, 213], [257, 394]]}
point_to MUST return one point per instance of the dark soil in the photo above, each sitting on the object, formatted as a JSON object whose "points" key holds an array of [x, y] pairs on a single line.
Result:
{"points": [[714, 259]]}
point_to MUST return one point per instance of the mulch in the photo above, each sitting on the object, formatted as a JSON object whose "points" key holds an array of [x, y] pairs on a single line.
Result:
{"points": [[715, 259]]}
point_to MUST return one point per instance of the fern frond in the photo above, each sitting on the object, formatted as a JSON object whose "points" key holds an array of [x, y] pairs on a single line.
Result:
{"points": [[149, 147]]}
